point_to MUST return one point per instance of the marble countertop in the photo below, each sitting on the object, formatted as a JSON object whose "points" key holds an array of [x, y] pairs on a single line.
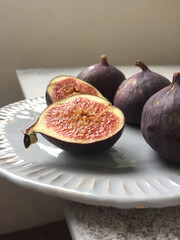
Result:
{"points": [[95, 222]]}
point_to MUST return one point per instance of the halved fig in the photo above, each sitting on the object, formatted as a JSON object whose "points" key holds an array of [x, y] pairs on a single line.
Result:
{"points": [[82, 124], [66, 86]]}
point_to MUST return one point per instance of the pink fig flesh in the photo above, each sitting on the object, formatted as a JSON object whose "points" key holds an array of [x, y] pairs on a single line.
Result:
{"points": [[66, 86], [82, 123]]}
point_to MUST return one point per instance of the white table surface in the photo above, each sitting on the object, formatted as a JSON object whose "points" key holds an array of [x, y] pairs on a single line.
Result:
{"points": [[97, 222], [33, 82]]}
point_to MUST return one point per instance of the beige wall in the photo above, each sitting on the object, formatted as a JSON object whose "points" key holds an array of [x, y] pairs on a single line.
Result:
{"points": [[22, 208], [55, 33]]}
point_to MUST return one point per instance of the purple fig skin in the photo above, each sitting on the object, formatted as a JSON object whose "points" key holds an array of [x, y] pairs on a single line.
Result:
{"points": [[85, 148], [160, 123], [105, 77], [48, 98], [133, 93]]}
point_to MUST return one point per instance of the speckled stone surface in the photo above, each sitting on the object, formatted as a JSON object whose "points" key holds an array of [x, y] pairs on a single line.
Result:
{"points": [[106, 223]]}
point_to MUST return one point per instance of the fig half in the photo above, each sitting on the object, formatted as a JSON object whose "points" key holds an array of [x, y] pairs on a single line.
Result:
{"points": [[160, 124], [65, 86], [133, 93], [82, 124], [103, 76]]}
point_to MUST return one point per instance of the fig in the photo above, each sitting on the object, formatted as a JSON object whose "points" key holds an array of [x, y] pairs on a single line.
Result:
{"points": [[81, 124], [65, 86], [133, 93], [103, 76], [160, 123]]}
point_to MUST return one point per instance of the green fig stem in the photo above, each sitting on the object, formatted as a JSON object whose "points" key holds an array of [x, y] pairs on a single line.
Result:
{"points": [[141, 65], [30, 139], [104, 60]]}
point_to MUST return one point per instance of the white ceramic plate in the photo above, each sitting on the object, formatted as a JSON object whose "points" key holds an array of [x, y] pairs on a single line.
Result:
{"points": [[128, 175]]}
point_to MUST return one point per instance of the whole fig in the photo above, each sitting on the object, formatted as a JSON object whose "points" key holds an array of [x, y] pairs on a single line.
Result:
{"points": [[133, 93], [160, 124], [103, 76]]}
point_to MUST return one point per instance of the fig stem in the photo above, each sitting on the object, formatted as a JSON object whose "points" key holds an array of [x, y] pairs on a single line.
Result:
{"points": [[29, 139], [176, 78], [104, 60], [141, 65]]}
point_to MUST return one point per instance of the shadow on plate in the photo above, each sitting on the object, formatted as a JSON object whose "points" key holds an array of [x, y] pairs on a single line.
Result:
{"points": [[167, 163], [112, 160]]}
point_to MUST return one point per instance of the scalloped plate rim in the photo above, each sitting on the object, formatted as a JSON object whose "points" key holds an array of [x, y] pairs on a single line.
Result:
{"points": [[85, 197]]}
